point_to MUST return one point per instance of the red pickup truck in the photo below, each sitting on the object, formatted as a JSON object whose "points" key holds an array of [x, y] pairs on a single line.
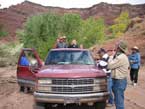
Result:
{"points": [[68, 76]]}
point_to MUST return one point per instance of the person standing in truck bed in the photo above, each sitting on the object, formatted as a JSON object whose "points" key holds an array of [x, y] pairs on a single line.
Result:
{"points": [[73, 44], [61, 42], [120, 69]]}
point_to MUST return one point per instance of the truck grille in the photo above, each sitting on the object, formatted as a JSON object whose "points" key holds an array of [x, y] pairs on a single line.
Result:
{"points": [[72, 90], [70, 86], [73, 81]]}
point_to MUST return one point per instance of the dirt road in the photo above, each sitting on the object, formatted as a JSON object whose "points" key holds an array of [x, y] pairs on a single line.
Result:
{"points": [[11, 98]]}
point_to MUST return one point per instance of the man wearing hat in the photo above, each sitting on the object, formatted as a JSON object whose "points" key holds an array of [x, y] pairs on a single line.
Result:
{"points": [[134, 60], [119, 66], [61, 43]]}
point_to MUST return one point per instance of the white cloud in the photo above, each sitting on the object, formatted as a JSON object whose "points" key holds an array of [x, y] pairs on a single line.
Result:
{"points": [[69, 3], [6, 3]]}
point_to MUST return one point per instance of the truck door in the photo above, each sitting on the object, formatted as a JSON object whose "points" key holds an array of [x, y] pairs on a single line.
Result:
{"points": [[28, 64]]}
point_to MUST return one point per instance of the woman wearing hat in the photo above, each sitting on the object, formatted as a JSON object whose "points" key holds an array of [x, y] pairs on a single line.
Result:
{"points": [[120, 69], [134, 60]]}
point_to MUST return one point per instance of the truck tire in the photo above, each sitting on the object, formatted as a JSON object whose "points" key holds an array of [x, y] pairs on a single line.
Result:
{"points": [[25, 89], [38, 105], [100, 105], [21, 88]]}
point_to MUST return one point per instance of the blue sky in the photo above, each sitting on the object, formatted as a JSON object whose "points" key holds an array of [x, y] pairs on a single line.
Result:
{"points": [[69, 3]]}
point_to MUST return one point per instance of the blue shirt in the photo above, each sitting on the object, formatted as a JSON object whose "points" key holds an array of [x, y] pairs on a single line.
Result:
{"points": [[134, 60], [139, 59], [24, 61], [61, 45]]}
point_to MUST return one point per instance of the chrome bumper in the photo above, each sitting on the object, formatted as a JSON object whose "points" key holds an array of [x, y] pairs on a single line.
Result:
{"points": [[70, 98]]}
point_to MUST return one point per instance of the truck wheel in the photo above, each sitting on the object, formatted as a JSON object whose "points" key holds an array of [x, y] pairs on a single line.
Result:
{"points": [[100, 105], [38, 105], [25, 89], [21, 88]]}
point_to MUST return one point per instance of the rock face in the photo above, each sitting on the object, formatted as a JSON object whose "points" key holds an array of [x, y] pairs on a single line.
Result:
{"points": [[13, 17]]}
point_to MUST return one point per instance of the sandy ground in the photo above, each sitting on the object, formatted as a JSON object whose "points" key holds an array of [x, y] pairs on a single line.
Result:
{"points": [[11, 98]]}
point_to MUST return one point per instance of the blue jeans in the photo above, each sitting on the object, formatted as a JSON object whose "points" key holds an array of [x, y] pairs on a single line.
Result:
{"points": [[111, 99], [119, 86]]}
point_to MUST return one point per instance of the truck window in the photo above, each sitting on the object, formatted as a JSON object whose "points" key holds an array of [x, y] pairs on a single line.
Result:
{"points": [[69, 57], [28, 59], [24, 60]]}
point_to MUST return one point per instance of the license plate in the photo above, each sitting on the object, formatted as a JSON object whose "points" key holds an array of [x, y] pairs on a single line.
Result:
{"points": [[71, 100]]}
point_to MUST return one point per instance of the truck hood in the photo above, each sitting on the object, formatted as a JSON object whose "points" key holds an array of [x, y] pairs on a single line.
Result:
{"points": [[69, 71]]}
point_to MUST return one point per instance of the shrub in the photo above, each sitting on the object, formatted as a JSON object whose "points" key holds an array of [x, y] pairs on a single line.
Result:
{"points": [[121, 24], [41, 31], [2, 31], [9, 54], [92, 32]]}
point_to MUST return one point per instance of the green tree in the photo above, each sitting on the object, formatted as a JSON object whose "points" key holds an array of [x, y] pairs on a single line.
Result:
{"points": [[3, 32], [71, 24], [92, 32], [41, 31], [121, 23]]}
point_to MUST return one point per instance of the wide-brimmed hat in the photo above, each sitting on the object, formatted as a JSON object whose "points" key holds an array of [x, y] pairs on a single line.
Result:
{"points": [[64, 37], [135, 48], [123, 46]]}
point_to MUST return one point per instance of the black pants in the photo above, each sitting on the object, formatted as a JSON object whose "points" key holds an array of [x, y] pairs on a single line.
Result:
{"points": [[134, 75]]}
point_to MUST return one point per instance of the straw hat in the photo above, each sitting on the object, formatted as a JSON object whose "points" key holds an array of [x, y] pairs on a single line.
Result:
{"points": [[135, 48], [64, 37]]}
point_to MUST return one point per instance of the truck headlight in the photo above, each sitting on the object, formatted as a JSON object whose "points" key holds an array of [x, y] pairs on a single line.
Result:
{"points": [[100, 84], [100, 88], [97, 88], [96, 81], [44, 89], [44, 81]]}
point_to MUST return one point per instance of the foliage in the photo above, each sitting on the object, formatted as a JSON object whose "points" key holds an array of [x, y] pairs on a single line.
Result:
{"points": [[41, 31], [2, 31], [9, 53], [121, 24], [71, 25], [92, 32]]}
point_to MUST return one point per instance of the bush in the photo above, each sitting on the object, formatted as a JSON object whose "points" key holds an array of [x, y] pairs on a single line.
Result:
{"points": [[9, 54], [121, 24], [2, 31], [41, 31], [92, 32]]}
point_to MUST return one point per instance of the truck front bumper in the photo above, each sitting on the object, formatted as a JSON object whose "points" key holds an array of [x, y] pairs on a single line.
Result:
{"points": [[70, 98]]}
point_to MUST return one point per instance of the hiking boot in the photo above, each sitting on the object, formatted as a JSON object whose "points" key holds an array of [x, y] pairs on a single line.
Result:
{"points": [[134, 84], [109, 105]]}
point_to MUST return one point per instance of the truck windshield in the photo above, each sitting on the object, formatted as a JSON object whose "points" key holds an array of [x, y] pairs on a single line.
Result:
{"points": [[69, 57]]}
